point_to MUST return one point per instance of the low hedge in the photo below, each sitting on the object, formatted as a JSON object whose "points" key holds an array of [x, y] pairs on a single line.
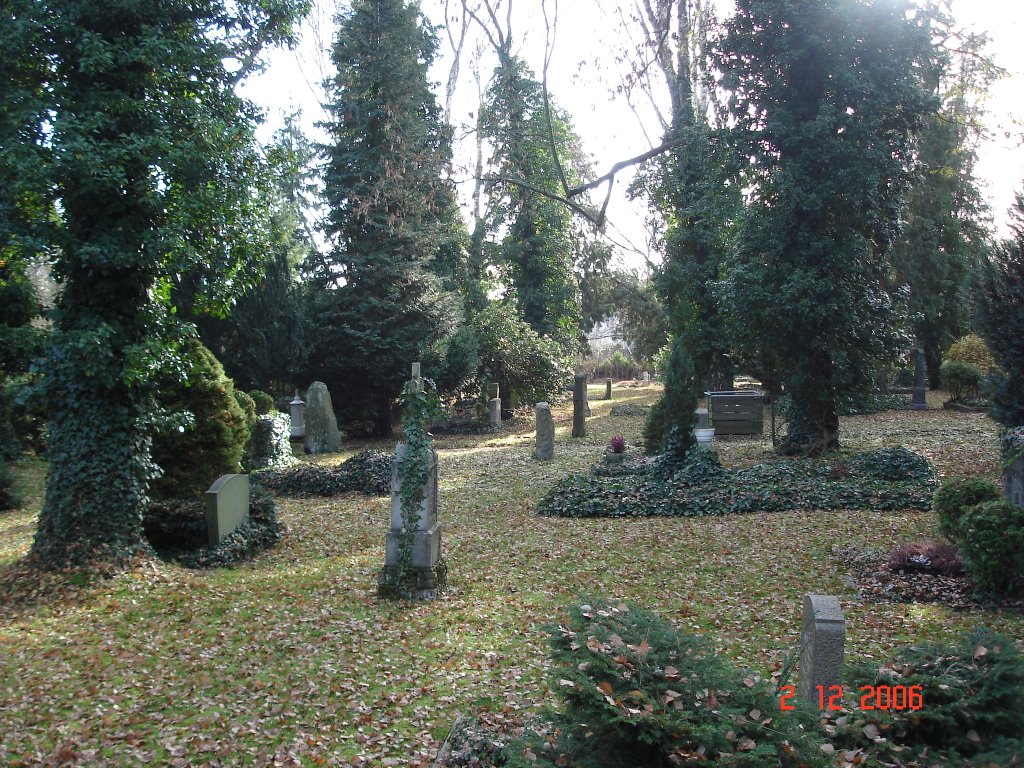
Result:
{"points": [[889, 479], [368, 472]]}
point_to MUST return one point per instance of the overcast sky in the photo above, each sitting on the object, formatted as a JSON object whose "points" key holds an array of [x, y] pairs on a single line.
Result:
{"points": [[584, 73]]}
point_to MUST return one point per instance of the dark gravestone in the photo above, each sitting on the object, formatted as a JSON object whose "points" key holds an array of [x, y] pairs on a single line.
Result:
{"points": [[1013, 482], [918, 402], [579, 405], [608, 389], [545, 450]]}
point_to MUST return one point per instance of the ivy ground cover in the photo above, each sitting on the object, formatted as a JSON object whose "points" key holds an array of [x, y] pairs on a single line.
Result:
{"points": [[292, 659]]}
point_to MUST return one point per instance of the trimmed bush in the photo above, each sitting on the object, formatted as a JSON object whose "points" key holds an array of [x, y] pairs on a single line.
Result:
{"points": [[893, 464], [248, 406], [654, 427], [212, 442], [972, 350], [368, 472], [263, 402], [270, 445], [663, 489], [961, 380], [176, 529], [955, 496], [991, 542], [972, 695], [637, 693]]}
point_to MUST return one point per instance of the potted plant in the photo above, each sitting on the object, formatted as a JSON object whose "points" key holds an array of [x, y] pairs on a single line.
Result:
{"points": [[615, 453]]}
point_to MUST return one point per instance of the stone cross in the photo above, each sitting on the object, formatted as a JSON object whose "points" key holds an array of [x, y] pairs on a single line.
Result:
{"points": [[298, 406], [918, 402], [579, 405], [545, 450], [821, 646]]}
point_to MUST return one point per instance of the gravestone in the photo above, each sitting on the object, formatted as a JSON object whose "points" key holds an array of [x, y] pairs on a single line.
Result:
{"points": [[821, 645], [608, 389], [647, 379], [298, 407], [918, 402], [545, 450], [493, 391], [579, 405], [425, 565], [494, 411], [227, 506], [1013, 482], [322, 434], [701, 415]]}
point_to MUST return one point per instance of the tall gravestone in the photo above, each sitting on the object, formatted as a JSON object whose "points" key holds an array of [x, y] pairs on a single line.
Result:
{"points": [[608, 389], [579, 405], [1013, 482], [322, 435], [918, 402], [298, 408], [493, 405], [821, 645], [545, 450]]}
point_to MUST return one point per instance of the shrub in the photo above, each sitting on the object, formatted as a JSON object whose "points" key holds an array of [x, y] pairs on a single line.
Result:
{"points": [[893, 464], [637, 693], [192, 456], [954, 497], [248, 406], [270, 445], [264, 403], [176, 528], [9, 498], [960, 379], [654, 427], [701, 466], [928, 557], [972, 694], [991, 542], [617, 366], [679, 401], [971, 350], [368, 472]]}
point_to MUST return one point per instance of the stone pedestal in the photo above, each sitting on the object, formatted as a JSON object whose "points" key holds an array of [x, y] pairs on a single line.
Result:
{"points": [[545, 450], [298, 407], [494, 411], [424, 575], [821, 646], [579, 405], [701, 418]]}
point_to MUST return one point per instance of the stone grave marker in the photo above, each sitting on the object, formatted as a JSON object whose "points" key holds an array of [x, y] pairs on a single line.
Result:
{"points": [[647, 379], [579, 405], [426, 534], [298, 407], [821, 645], [918, 402], [227, 506], [545, 450], [608, 389], [493, 405], [322, 435], [1013, 482]]}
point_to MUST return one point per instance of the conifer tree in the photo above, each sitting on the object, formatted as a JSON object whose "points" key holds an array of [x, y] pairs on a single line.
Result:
{"points": [[378, 303]]}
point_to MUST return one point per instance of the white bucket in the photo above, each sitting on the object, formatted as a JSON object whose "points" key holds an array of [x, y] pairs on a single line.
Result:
{"points": [[704, 436]]}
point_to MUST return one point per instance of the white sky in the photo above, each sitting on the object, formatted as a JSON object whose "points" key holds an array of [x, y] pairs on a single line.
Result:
{"points": [[584, 73]]}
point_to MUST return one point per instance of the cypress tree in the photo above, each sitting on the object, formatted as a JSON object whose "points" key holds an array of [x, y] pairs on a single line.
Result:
{"points": [[378, 303]]}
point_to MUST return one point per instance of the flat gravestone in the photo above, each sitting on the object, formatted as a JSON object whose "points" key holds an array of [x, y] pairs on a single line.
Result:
{"points": [[821, 645], [322, 435], [545, 450], [227, 506]]}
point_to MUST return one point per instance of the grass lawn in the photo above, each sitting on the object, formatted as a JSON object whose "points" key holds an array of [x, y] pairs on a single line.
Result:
{"points": [[292, 660]]}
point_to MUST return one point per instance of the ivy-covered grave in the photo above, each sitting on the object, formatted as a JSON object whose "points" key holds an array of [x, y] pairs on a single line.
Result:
{"points": [[368, 472], [698, 486]]}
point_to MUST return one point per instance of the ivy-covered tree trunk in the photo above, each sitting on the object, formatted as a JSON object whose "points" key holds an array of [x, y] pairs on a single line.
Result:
{"points": [[151, 169]]}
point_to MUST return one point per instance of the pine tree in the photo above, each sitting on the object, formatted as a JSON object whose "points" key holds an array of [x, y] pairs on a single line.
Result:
{"points": [[149, 157], [378, 303]]}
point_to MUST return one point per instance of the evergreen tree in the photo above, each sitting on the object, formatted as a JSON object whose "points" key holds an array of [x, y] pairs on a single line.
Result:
{"points": [[378, 302], [825, 97], [137, 132], [1001, 318], [944, 208], [538, 251]]}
